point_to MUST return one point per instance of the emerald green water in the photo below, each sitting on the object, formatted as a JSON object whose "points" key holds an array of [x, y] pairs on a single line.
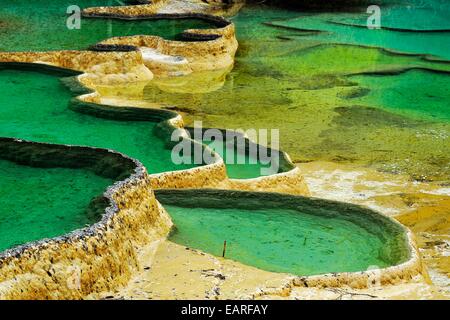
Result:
{"points": [[406, 94], [40, 203], [241, 165], [35, 107], [307, 86], [281, 240], [411, 15], [41, 26]]}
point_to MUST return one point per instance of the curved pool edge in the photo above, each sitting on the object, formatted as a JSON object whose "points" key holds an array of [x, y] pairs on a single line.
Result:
{"points": [[96, 258], [18, 277], [399, 274], [122, 59], [395, 274], [204, 50], [212, 175], [216, 8], [289, 179], [199, 177], [360, 280]]}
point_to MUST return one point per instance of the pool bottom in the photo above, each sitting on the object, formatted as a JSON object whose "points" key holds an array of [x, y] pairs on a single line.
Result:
{"points": [[97, 257], [112, 241], [51, 190], [40, 203], [53, 28], [58, 117], [421, 206], [306, 237]]}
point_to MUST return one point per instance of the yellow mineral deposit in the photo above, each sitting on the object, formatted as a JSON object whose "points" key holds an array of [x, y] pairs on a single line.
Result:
{"points": [[134, 260]]}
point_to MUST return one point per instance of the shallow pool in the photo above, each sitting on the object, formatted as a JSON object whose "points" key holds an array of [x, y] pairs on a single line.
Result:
{"points": [[42, 25], [35, 106], [319, 91], [284, 233], [41, 202]]}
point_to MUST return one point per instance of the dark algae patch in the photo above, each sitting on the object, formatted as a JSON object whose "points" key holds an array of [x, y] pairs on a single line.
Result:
{"points": [[337, 92], [342, 94], [49, 199]]}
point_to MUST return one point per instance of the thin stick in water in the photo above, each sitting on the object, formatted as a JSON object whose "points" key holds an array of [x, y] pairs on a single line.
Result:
{"points": [[224, 248]]}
